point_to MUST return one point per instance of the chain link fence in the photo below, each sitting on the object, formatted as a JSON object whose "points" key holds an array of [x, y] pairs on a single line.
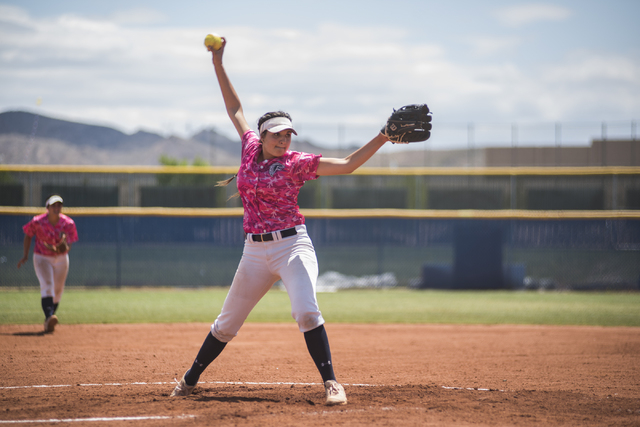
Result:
{"points": [[354, 249]]}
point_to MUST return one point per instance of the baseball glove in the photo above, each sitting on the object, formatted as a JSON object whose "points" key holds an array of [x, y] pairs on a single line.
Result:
{"points": [[411, 123], [61, 248]]}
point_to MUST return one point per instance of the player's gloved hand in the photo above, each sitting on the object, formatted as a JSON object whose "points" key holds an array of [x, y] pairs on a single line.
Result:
{"points": [[411, 123], [63, 246]]}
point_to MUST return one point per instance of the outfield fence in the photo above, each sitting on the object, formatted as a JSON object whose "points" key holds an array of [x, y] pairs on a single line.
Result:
{"points": [[372, 248], [446, 228]]}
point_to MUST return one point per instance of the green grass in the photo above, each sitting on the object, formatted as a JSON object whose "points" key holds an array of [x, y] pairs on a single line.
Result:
{"points": [[81, 306]]}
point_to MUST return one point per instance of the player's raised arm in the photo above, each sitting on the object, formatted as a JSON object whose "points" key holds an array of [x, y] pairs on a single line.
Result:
{"points": [[335, 166], [411, 123], [229, 95]]}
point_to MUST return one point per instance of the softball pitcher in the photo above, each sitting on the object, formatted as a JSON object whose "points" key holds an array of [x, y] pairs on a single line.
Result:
{"points": [[54, 233], [277, 245]]}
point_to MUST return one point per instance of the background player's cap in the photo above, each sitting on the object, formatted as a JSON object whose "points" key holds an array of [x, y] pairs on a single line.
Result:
{"points": [[277, 124], [53, 199]]}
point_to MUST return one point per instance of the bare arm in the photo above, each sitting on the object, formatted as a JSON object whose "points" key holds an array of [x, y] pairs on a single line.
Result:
{"points": [[333, 166], [231, 99], [26, 243]]}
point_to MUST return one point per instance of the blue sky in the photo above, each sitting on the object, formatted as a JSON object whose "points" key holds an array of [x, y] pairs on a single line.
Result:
{"points": [[339, 67]]}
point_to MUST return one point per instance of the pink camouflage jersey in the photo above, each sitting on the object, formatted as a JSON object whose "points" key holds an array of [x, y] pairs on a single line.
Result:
{"points": [[41, 228], [269, 190]]}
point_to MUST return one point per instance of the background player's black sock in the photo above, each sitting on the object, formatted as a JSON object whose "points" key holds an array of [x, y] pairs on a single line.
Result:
{"points": [[211, 348], [55, 307], [318, 346], [47, 306]]}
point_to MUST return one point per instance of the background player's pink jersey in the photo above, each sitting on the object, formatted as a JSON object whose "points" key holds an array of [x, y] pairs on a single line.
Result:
{"points": [[41, 228]]}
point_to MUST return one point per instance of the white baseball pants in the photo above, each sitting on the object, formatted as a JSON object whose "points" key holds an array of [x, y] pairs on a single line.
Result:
{"points": [[291, 259], [52, 274]]}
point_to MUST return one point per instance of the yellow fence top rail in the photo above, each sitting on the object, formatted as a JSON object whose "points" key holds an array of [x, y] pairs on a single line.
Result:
{"points": [[336, 213]]}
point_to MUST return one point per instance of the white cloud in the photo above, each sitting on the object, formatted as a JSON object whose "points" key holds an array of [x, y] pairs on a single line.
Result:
{"points": [[517, 16], [13, 15], [139, 15], [488, 46], [585, 66], [589, 83], [161, 78]]}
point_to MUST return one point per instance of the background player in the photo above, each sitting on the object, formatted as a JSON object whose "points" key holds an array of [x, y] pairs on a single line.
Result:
{"points": [[277, 245], [54, 233]]}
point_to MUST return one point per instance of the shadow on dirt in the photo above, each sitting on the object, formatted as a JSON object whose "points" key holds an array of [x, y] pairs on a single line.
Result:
{"points": [[28, 334], [234, 399]]}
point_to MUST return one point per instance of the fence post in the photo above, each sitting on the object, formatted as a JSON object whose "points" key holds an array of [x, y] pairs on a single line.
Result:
{"points": [[614, 192], [512, 182], [633, 145]]}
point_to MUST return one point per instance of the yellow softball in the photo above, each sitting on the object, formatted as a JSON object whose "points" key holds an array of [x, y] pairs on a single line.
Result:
{"points": [[213, 41]]}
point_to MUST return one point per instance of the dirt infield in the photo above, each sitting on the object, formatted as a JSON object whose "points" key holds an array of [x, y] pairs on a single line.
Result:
{"points": [[394, 375]]}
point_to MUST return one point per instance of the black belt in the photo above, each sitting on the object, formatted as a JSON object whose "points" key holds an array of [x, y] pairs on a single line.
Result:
{"points": [[268, 237]]}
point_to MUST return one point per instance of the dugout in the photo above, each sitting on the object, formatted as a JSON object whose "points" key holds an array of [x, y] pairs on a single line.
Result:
{"points": [[81, 195], [11, 195], [633, 198], [611, 188], [369, 198], [467, 198], [182, 196], [565, 199]]}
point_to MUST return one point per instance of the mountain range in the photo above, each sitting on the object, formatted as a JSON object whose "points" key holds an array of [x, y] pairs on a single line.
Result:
{"points": [[27, 138]]}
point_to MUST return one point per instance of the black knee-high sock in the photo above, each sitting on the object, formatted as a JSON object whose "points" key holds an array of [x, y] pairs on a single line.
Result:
{"points": [[318, 346], [211, 348], [47, 306], [55, 307]]}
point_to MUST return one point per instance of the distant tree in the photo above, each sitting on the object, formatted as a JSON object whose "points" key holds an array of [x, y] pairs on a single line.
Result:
{"points": [[199, 161], [172, 161], [168, 179]]}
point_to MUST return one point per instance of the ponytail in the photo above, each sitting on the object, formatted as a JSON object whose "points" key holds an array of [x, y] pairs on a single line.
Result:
{"points": [[226, 182]]}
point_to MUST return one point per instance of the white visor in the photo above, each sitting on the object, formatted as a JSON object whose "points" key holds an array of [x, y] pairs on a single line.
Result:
{"points": [[277, 124], [53, 199]]}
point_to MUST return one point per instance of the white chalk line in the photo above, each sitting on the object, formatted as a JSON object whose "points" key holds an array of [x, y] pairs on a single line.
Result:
{"points": [[151, 418], [173, 383], [97, 419], [472, 388], [353, 411], [222, 383]]}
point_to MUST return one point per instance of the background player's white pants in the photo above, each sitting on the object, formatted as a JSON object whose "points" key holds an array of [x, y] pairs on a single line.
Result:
{"points": [[52, 274], [292, 259]]}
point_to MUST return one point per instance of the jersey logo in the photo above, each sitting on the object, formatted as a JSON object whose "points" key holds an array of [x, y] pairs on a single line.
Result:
{"points": [[275, 168]]}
